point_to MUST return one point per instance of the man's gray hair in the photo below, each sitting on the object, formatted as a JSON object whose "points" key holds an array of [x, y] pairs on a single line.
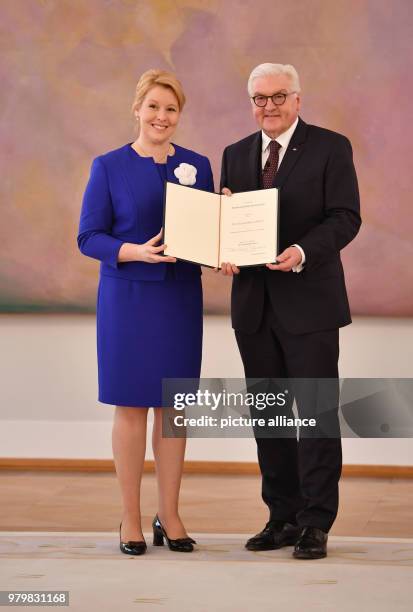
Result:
{"points": [[274, 69]]}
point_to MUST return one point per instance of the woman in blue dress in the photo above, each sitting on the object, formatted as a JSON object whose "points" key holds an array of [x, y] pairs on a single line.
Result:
{"points": [[149, 306]]}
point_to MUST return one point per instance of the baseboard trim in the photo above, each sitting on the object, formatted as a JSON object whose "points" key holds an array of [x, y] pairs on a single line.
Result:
{"points": [[191, 467]]}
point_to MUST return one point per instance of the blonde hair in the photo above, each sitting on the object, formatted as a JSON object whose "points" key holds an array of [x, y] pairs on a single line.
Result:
{"points": [[154, 77]]}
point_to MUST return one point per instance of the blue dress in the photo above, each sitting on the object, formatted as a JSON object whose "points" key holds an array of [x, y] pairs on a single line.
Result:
{"points": [[149, 316]]}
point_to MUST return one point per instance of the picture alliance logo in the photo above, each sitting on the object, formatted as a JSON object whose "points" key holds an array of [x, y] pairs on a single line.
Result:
{"points": [[215, 400]]}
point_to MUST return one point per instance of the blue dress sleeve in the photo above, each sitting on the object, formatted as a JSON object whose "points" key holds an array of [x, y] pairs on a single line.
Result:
{"points": [[209, 177], [96, 219]]}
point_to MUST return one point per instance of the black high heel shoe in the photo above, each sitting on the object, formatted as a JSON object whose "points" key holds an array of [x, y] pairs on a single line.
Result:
{"points": [[179, 545], [131, 547]]}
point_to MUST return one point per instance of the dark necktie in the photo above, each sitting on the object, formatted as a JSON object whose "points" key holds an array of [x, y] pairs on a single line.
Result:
{"points": [[271, 165]]}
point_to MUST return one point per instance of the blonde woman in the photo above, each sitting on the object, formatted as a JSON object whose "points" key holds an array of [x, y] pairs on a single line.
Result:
{"points": [[149, 306]]}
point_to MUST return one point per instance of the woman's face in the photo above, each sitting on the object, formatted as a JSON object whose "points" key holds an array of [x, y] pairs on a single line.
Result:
{"points": [[158, 115]]}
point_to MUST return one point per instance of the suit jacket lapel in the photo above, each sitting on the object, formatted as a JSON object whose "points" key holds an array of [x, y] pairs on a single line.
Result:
{"points": [[253, 170], [172, 163], [128, 170], [293, 152]]}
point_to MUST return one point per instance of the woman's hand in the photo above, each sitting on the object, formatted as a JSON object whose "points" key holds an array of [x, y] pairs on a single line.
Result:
{"points": [[148, 252]]}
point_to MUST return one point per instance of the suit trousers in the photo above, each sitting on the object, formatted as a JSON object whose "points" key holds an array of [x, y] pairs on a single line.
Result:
{"points": [[299, 476]]}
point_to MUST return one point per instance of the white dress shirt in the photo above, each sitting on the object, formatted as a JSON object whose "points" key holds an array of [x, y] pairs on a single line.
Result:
{"points": [[283, 140]]}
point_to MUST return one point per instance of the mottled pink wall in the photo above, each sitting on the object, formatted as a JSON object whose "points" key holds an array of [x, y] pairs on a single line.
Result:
{"points": [[68, 71]]}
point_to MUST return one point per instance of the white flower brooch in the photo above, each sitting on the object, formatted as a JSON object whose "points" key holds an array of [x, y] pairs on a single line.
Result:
{"points": [[186, 174]]}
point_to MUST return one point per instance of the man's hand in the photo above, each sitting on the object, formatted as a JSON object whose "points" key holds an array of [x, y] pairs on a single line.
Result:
{"points": [[288, 259], [228, 269]]}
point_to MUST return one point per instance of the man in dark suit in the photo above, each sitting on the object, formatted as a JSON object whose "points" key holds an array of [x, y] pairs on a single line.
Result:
{"points": [[287, 314]]}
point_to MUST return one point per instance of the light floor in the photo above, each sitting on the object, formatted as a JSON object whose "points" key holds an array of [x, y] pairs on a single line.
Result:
{"points": [[358, 574], [53, 501], [58, 531]]}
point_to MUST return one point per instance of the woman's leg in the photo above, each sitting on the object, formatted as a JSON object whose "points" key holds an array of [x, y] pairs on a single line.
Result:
{"points": [[169, 460], [129, 445]]}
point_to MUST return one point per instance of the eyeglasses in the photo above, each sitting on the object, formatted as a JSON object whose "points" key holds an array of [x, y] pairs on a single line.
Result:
{"points": [[278, 99]]}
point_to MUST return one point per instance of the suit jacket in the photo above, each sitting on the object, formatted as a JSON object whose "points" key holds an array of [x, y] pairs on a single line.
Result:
{"points": [[123, 202], [319, 210]]}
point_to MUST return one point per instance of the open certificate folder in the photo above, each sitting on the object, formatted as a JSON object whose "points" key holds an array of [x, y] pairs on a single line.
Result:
{"points": [[209, 229]]}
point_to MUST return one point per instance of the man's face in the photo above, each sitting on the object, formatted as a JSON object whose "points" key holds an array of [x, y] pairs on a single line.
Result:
{"points": [[273, 119]]}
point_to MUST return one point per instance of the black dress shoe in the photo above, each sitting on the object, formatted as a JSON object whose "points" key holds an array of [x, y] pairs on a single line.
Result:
{"points": [[131, 547], [275, 534], [178, 545], [312, 544]]}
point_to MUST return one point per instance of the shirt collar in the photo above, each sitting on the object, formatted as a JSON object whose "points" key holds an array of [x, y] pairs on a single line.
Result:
{"points": [[283, 139]]}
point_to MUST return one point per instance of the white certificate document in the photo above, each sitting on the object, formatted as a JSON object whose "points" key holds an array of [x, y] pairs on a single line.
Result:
{"points": [[249, 227], [209, 228]]}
